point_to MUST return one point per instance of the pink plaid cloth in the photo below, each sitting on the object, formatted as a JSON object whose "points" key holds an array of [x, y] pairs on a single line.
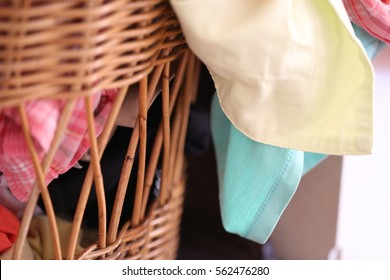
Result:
{"points": [[43, 115], [372, 15]]}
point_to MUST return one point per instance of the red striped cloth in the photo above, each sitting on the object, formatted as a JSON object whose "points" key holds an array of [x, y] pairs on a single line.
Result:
{"points": [[372, 15], [43, 115]]}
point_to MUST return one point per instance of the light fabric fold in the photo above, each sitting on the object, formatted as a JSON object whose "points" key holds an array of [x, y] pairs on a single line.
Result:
{"points": [[290, 73]]}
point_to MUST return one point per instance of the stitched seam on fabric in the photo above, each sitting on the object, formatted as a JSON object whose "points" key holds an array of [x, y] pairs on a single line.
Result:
{"points": [[270, 194]]}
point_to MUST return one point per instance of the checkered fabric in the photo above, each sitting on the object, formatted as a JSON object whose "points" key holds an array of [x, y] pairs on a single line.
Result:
{"points": [[43, 116]]}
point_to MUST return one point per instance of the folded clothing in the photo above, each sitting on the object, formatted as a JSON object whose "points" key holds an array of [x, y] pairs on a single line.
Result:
{"points": [[257, 181]]}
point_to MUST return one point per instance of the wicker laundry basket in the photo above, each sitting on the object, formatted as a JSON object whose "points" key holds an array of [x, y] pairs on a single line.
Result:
{"points": [[70, 49]]}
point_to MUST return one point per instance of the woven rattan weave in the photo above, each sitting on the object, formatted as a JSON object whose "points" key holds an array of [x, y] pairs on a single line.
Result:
{"points": [[70, 49]]}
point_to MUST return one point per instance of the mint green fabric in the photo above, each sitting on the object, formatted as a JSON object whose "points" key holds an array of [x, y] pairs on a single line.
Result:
{"points": [[257, 180], [371, 44]]}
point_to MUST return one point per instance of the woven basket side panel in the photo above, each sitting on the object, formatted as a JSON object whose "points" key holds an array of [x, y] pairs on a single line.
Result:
{"points": [[157, 235], [68, 52], [61, 48]]}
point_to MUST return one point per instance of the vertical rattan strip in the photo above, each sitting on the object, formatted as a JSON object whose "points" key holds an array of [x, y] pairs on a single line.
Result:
{"points": [[128, 164], [175, 136], [166, 132], [41, 181], [179, 76], [187, 99], [142, 118], [86, 188], [28, 212], [97, 173]]}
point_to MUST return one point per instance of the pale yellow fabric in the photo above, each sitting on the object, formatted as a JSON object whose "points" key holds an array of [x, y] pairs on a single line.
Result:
{"points": [[288, 73], [39, 245], [40, 240], [27, 253]]}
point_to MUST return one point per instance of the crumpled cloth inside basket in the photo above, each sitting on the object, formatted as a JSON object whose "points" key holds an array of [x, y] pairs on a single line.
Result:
{"points": [[39, 243], [9, 227], [43, 116]]}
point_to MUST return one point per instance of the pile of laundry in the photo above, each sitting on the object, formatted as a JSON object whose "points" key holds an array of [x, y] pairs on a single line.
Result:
{"points": [[294, 83]]}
